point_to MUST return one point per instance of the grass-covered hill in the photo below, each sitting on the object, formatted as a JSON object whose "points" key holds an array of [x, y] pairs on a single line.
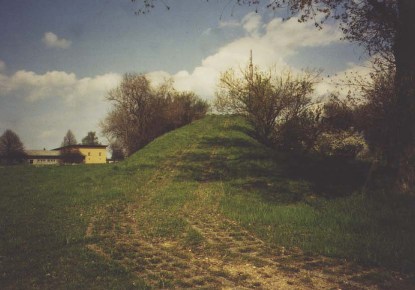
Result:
{"points": [[203, 206]]}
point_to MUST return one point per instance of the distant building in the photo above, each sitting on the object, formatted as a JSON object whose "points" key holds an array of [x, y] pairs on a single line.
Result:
{"points": [[93, 154], [88, 154], [43, 157]]}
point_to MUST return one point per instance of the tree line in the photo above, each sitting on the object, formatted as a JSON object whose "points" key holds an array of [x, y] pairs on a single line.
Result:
{"points": [[141, 112], [12, 150]]}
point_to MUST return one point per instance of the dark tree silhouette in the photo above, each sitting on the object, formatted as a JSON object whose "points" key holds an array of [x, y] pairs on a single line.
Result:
{"points": [[11, 148], [69, 139], [90, 139], [117, 153], [71, 156]]}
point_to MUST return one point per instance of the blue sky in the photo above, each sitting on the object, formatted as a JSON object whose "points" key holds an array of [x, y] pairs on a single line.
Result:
{"points": [[59, 58]]}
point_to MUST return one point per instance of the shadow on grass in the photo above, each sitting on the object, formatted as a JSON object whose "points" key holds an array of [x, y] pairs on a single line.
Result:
{"points": [[131, 169], [241, 128], [244, 165], [329, 176], [368, 230], [250, 166]]}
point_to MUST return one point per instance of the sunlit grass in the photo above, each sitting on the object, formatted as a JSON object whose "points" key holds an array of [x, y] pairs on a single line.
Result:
{"points": [[211, 166]]}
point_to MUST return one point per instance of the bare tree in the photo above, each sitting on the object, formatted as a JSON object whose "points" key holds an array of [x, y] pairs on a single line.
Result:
{"points": [[11, 148], [135, 111], [184, 108], [142, 112], [268, 100], [69, 139]]}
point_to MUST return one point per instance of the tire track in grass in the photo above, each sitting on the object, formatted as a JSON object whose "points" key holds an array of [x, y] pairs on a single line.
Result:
{"points": [[234, 253], [162, 263], [214, 252], [245, 261]]}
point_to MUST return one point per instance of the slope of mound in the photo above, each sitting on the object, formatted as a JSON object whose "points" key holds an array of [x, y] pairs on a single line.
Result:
{"points": [[203, 206]]}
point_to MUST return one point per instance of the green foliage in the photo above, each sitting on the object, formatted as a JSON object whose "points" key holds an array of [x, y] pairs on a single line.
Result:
{"points": [[343, 144], [300, 132], [90, 139]]}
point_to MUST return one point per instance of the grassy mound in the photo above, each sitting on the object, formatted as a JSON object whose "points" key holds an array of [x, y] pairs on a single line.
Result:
{"points": [[68, 226]]}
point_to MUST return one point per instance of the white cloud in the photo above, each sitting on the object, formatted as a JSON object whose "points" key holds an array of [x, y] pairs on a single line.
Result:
{"points": [[159, 77], [342, 82], [42, 107], [56, 84], [272, 43], [252, 22], [51, 40]]}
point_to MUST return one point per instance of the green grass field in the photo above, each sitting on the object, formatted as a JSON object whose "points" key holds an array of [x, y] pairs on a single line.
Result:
{"points": [[203, 192]]}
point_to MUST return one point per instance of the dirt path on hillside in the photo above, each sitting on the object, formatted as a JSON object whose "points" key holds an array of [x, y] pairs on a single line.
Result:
{"points": [[220, 254]]}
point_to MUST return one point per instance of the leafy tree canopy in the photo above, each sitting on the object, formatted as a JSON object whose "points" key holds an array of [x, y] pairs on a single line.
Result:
{"points": [[90, 139]]}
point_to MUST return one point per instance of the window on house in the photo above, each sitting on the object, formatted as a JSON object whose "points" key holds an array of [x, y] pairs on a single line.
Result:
{"points": [[89, 153], [99, 153]]}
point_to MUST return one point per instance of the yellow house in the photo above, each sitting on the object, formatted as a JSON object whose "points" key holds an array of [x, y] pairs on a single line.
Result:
{"points": [[93, 154]]}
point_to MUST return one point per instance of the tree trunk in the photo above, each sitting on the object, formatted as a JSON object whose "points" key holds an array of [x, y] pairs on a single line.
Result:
{"points": [[404, 135]]}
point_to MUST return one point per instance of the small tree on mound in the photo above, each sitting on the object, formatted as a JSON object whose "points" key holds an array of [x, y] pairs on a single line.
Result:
{"points": [[277, 105], [141, 112], [184, 108]]}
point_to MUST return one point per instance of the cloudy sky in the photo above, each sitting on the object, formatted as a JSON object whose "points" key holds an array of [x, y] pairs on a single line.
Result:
{"points": [[58, 59]]}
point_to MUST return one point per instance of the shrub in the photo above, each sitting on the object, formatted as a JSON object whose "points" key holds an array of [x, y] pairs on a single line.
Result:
{"points": [[344, 144], [277, 105]]}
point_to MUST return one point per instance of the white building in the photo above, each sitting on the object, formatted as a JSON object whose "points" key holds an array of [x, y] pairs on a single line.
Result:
{"points": [[43, 157]]}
